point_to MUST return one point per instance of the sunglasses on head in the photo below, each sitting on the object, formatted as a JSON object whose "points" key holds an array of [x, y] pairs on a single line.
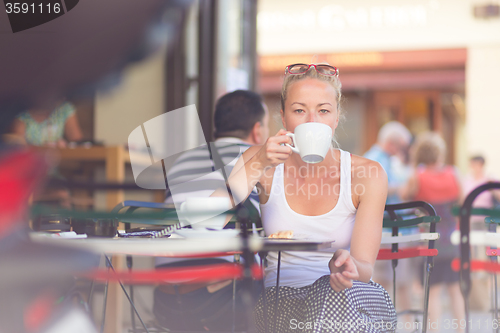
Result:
{"points": [[302, 68]]}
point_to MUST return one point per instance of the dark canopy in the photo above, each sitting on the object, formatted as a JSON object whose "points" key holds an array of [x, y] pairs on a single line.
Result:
{"points": [[83, 49]]}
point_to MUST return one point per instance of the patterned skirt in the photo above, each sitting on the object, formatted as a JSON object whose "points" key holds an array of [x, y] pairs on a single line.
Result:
{"points": [[366, 307]]}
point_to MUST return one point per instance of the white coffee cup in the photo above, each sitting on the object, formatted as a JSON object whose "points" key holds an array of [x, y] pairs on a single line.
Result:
{"points": [[311, 141], [204, 212]]}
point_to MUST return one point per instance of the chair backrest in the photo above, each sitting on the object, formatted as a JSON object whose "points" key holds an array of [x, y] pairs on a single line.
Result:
{"points": [[464, 215], [404, 215], [409, 214]]}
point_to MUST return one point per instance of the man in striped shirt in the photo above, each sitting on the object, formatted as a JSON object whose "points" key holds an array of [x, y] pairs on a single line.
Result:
{"points": [[240, 121]]}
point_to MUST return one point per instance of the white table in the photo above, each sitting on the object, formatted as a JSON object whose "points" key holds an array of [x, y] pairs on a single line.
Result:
{"points": [[178, 247]]}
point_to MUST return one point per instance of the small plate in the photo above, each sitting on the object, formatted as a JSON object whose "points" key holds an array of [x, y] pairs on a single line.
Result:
{"points": [[200, 233]]}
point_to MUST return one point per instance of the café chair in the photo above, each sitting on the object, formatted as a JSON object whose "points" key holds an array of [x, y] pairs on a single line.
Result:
{"points": [[165, 221], [490, 239], [163, 214], [404, 215], [173, 276]]}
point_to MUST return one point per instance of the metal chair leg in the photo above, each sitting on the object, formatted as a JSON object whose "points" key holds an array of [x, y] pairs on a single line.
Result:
{"points": [[428, 268], [128, 297], [89, 299], [277, 291], [264, 299], [494, 259], [495, 299], [394, 263], [105, 301], [131, 287], [233, 312], [492, 298], [466, 306]]}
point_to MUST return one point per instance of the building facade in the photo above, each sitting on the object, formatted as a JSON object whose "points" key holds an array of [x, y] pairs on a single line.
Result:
{"points": [[432, 65]]}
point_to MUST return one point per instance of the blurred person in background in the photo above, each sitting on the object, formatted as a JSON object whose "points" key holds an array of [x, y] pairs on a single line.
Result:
{"points": [[438, 184], [49, 128], [393, 141], [475, 177], [55, 127], [240, 121], [390, 151]]}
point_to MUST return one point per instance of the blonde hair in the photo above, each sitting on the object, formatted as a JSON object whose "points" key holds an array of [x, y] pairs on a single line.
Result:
{"points": [[429, 149], [311, 73], [333, 80]]}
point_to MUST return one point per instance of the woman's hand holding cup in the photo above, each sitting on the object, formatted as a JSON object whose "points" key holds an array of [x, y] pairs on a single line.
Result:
{"points": [[274, 152]]}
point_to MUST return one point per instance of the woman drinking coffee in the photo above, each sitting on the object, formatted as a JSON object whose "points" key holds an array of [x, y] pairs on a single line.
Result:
{"points": [[338, 197]]}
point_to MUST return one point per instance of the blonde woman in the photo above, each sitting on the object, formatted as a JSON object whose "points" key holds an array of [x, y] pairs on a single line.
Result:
{"points": [[341, 198]]}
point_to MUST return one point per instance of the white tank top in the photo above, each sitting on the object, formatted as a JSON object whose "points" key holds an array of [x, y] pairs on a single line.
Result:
{"points": [[299, 269]]}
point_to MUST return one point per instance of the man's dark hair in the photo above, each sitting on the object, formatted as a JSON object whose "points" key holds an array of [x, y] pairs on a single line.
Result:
{"points": [[236, 113], [478, 158]]}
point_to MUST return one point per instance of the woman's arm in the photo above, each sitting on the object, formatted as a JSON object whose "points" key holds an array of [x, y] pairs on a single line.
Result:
{"points": [[238, 190], [252, 165], [371, 194], [72, 130], [367, 232], [19, 128]]}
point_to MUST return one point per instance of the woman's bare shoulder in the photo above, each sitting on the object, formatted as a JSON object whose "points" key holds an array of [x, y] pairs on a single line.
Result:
{"points": [[363, 167], [251, 151]]}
